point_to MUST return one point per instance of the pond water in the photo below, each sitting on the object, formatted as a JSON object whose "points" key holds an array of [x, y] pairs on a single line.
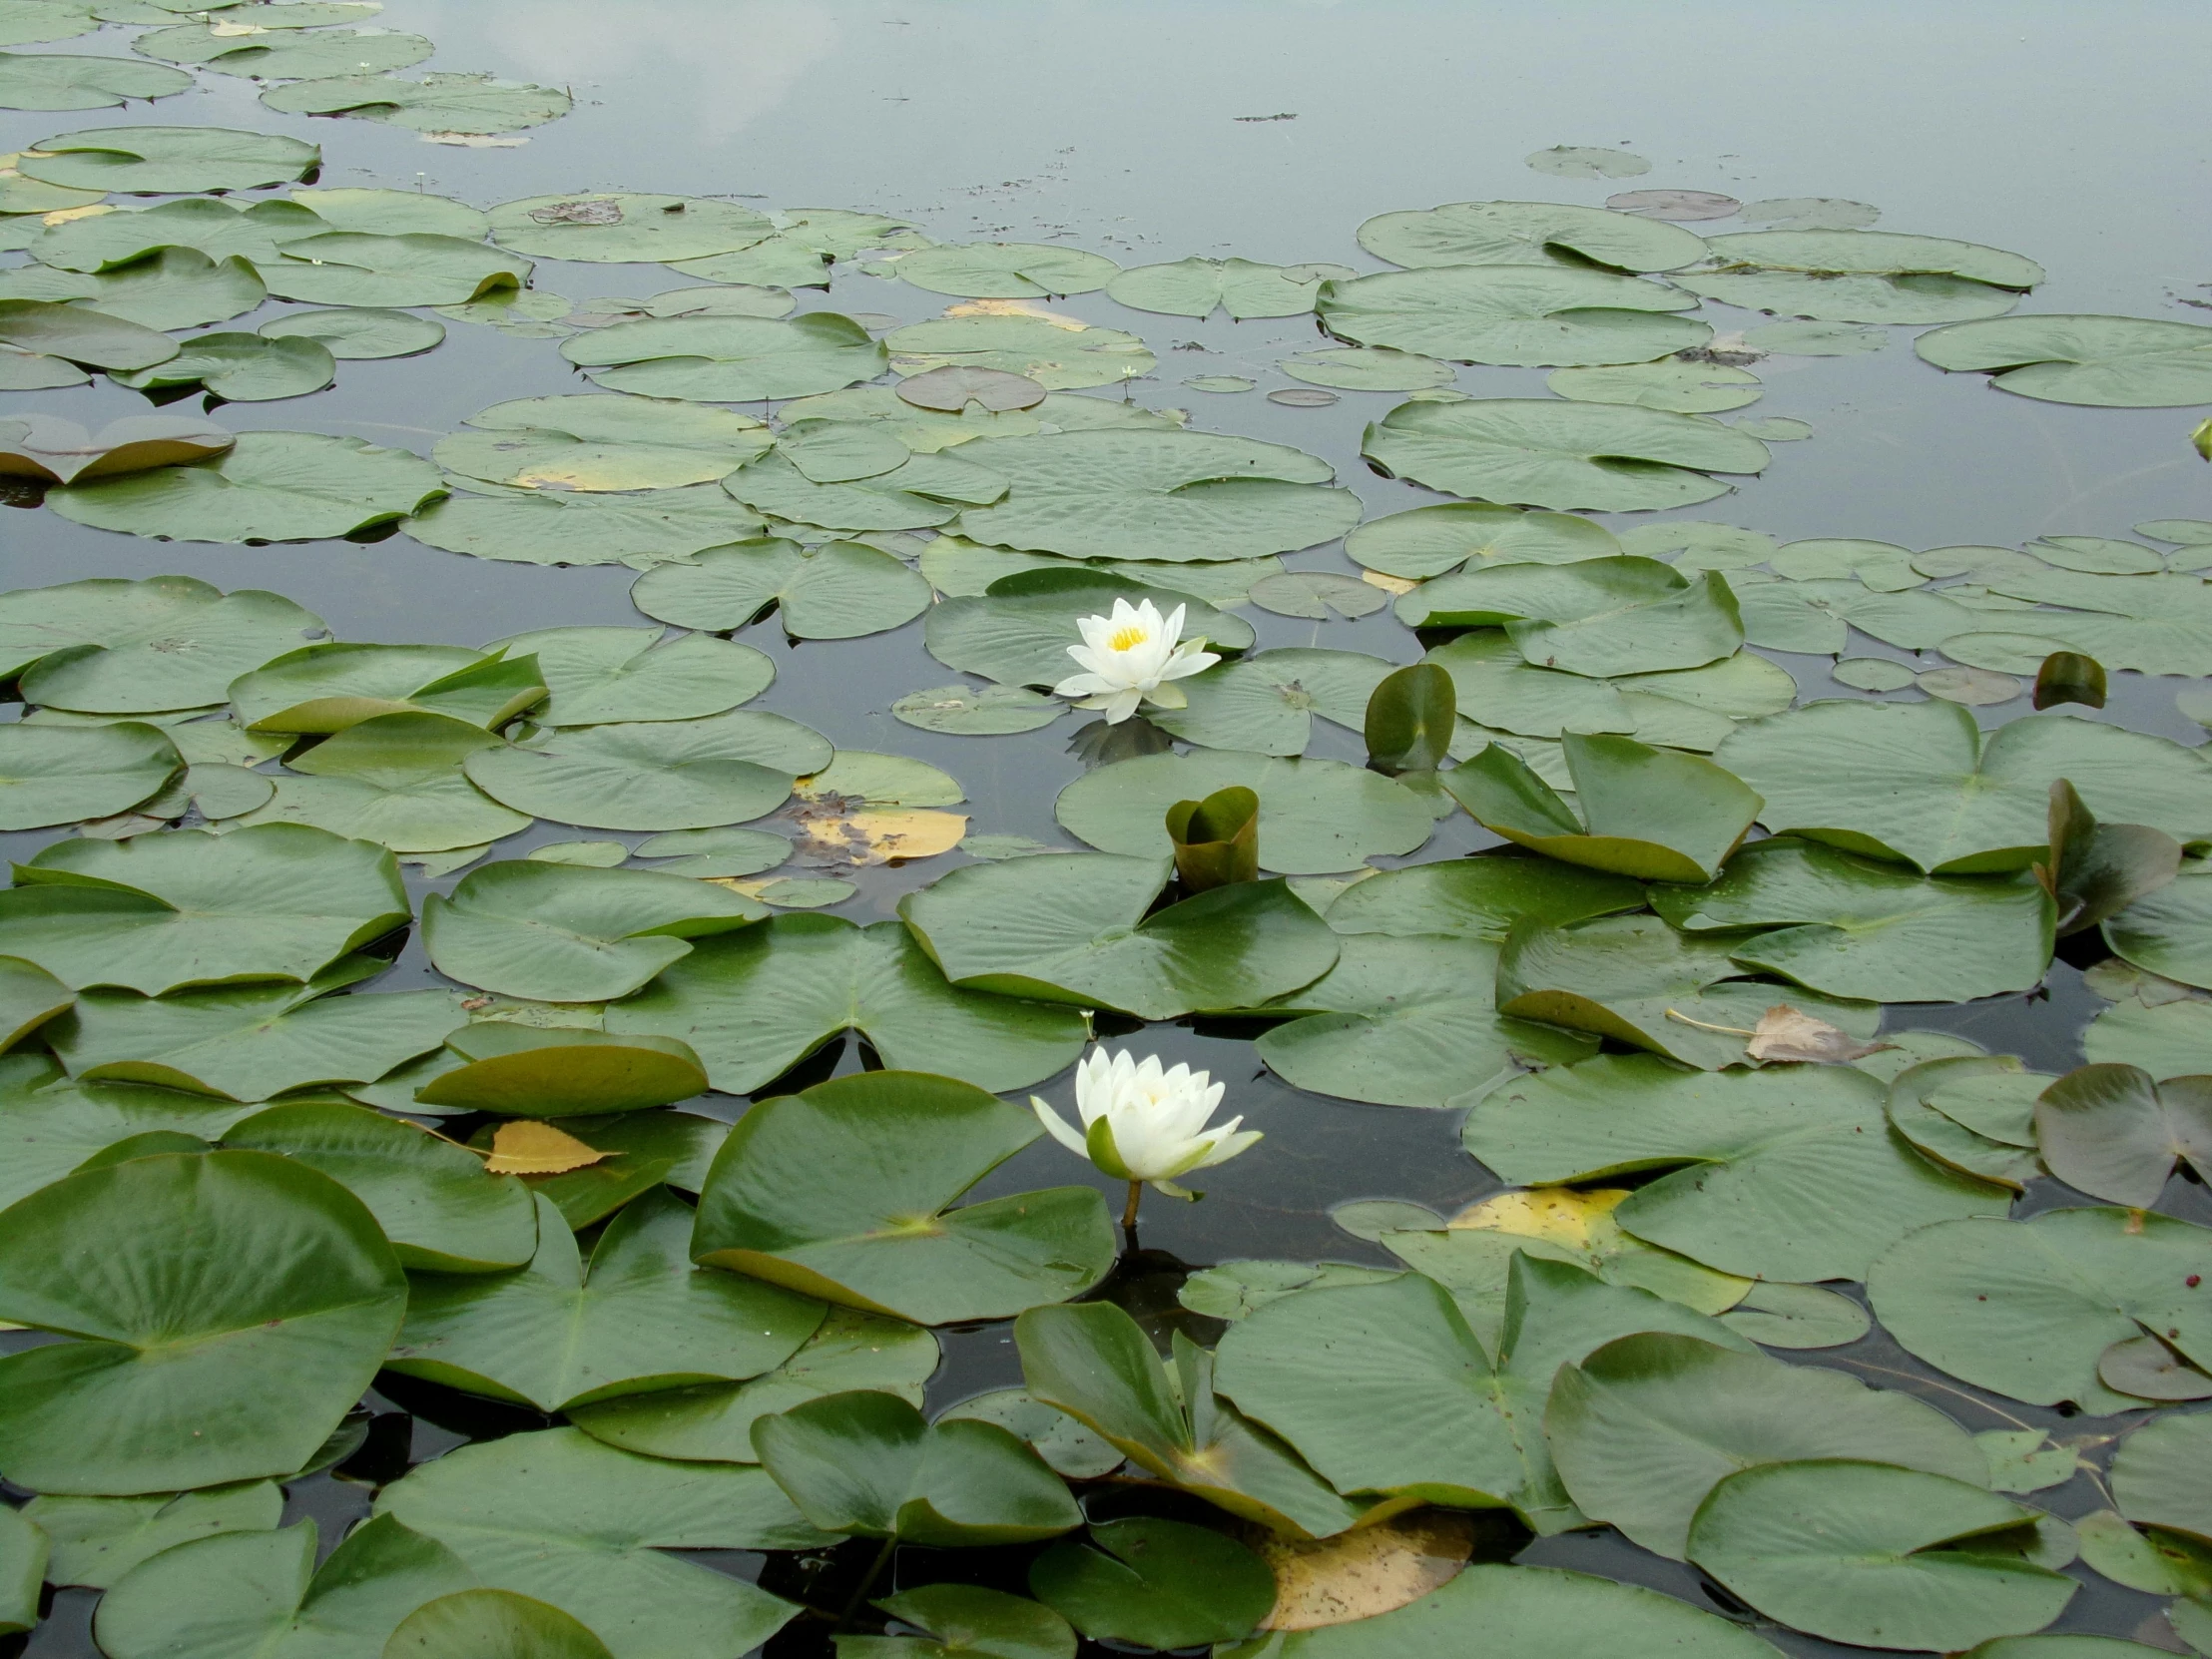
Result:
{"points": [[1153, 131]]}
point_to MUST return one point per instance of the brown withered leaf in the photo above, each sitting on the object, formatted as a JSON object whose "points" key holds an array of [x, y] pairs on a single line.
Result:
{"points": [[1783, 1033], [526, 1147], [1357, 1574]]}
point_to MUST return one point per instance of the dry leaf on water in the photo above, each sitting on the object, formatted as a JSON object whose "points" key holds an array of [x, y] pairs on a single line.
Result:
{"points": [[531, 1148]]}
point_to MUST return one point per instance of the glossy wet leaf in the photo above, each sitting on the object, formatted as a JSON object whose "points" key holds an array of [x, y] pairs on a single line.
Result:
{"points": [[1410, 719], [646, 526], [729, 360], [1787, 1174], [530, 1071], [179, 287], [1862, 1552], [1519, 315], [561, 1518], [1528, 233], [1054, 353], [713, 1422], [57, 774], [1155, 1582], [2026, 1309], [238, 1309], [273, 486], [168, 160], [492, 1624], [1652, 814], [565, 933], [2114, 1133], [1156, 494], [1645, 1427], [602, 443], [1242, 288], [1005, 269], [1018, 634], [160, 913], [659, 774], [1076, 930], [1477, 897], [2108, 361], [395, 780], [1317, 817], [1919, 784], [867, 1464], [1537, 452], [839, 590], [212, 1596], [433, 104], [1093, 1362]]}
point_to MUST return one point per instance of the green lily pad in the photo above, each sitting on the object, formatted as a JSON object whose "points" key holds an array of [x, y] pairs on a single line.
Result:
{"points": [[353, 335], [1018, 634], [2114, 1133], [2026, 1308], [1094, 1362], [168, 161], [390, 212], [2174, 1039], [1478, 898], [348, 268], [110, 647], [251, 1042], [2113, 362], [1645, 1427], [1878, 1556], [243, 368], [1005, 269], [600, 676], [493, 1624], [57, 81], [1856, 927], [616, 228], [1267, 704], [602, 443], [1431, 541], [433, 104], [869, 1465], [842, 590], [1242, 288], [1552, 453], [567, 934], [1072, 1450], [178, 288], [442, 1213], [965, 1620], [563, 528], [730, 360], [289, 56], [52, 1125], [1529, 233], [273, 486], [1156, 1583], [26, 21], [203, 1598], [322, 689], [397, 779], [557, 1516], [215, 1368], [716, 852], [528, 1071], [925, 491], [657, 775], [639, 1318], [29, 997], [1076, 930], [1489, 673], [845, 1192], [1686, 388], [713, 1422], [1321, 595], [1046, 353], [75, 335], [1367, 369], [978, 711], [59, 774], [2162, 931], [1786, 1174], [1861, 276], [96, 1540], [1522, 315], [1315, 817], [1919, 784], [1139, 494], [159, 914], [2158, 1475], [1653, 814]]}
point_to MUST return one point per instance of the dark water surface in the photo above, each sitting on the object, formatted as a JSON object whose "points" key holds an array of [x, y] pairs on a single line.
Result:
{"points": [[2072, 134]]}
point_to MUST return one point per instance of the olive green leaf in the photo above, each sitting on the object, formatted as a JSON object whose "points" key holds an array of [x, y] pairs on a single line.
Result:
{"points": [[352, 334], [2114, 1133], [965, 1620], [1878, 1556], [639, 1318], [237, 1309], [52, 1125], [559, 1071], [1522, 315], [557, 1516], [111, 647], [1604, 457], [1786, 1174], [657, 775], [1654, 813], [243, 368], [1643, 1428], [59, 774], [492, 1624], [1156, 1583], [1528, 233], [1975, 1113], [397, 779], [866, 1464], [1685, 387], [2163, 931], [977, 710], [1496, 593], [1431, 541], [1480, 897], [1094, 1362], [177, 288], [2027, 1308], [837, 591], [390, 213], [350, 268], [2094, 870], [1072, 1450], [79, 336], [329, 687], [1410, 719], [273, 486], [730, 360], [96, 1540], [289, 56], [599, 675], [2158, 1475], [163, 913], [433, 104], [1861, 276]]}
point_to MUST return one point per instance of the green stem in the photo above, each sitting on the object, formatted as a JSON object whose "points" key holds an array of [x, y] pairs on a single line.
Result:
{"points": [[1129, 1210], [868, 1582]]}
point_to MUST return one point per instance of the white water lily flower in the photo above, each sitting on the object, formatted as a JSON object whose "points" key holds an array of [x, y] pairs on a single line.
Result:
{"points": [[1129, 658], [1145, 1124]]}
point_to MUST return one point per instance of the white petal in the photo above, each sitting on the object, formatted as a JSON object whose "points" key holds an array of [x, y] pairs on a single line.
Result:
{"points": [[1083, 684], [1122, 706], [1057, 1127], [1228, 1146]]}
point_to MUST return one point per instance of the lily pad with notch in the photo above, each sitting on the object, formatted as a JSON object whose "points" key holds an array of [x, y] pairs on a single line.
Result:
{"points": [[1526, 234], [613, 227], [1244, 289], [654, 774], [2113, 363], [1155, 1583], [602, 676], [52, 775], [1019, 630], [730, 360], [564, 528], [168, 161], [2115, 1133], [1056, 353], [840, 590], [327, 687], [398, 780], [1532, 316], [582, 443]]}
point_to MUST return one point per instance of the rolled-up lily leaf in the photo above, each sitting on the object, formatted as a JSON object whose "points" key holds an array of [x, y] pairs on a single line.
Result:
{"points": [[1409, 716], [2069, 677], [1216, 841]]}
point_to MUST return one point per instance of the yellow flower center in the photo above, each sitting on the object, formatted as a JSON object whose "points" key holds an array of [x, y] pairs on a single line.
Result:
{"points": [[1126, 638]]}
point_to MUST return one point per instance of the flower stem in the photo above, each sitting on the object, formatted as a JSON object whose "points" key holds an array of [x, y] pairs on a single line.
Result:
{"points": [[1129, 1210], [868, 1584]]}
